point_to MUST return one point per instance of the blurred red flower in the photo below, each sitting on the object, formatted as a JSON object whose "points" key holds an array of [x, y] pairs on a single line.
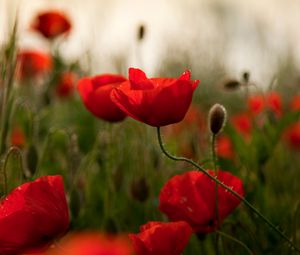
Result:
{"points": [[292, 136], [191, 197], [66, 83], [161, 238], [224, 147], [274, 102], [156, 101], [17, 137], [271, 101], [51, 24], [242, 124], [93, 243], [32, 64], [95, 93], [33, 215], [295, 103], [256, 104]]}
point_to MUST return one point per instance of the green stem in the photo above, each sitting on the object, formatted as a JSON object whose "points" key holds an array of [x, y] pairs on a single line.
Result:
{"points": [[213, 152], [268, 222], [8, 75], [4, 177], [214, 158], [51, 132], [235, 240]]}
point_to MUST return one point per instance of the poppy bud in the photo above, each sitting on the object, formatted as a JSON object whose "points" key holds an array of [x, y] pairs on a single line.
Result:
{"points": [[140, 189], [246, 77], [141, 32], [216, 118], [231, 84]]}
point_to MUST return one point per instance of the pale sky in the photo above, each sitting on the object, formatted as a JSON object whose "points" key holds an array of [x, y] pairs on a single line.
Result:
{"points": [[244, 35]]}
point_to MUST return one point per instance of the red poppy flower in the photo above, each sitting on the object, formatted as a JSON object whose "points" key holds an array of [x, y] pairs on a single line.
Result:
{"points": [[191, 197], [51, 24], [295, 103], [161, 238], [93, 243], [274, 103], [65, 86], [156, 101], [271, 101], [31, 64], [242, 124], [17, 137], [292, 136], [256, 104], [95, 93], [33, 215], [224, 147]]}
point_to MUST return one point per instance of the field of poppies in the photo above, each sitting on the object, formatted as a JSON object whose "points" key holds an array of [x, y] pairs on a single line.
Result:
{"points": [[123, 164]]}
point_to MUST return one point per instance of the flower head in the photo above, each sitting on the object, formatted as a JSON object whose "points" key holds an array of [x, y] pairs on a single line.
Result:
{"points": [[256, 104], [292, 136], [66, 83], [295, 103], [95, 94], [161, 238], [33, 215], [242, 124], [32, 64], [17, 137], [93, 243], [271, 101], [274, 102], [224, 147], [51, 24], [191, 197], [156, 101]]}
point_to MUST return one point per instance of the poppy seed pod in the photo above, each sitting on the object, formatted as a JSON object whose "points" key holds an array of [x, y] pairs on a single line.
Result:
{"points": [[141, 32], [246, 77], [217, 118], [231, 84], [140, 189]]}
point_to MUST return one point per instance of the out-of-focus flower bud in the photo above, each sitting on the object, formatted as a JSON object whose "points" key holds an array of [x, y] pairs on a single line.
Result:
{"points": [[216, 118]]}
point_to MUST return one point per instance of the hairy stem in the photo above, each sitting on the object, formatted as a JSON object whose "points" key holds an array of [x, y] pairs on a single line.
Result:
{"points": [[214, 158], [248, 204]]}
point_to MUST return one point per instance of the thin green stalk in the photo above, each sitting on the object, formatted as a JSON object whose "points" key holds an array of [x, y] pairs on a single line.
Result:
{"points": [[4, 177], [45, 146], [8, 76], [268, 222], [235, 240], [214, 158], [216, 171]]}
